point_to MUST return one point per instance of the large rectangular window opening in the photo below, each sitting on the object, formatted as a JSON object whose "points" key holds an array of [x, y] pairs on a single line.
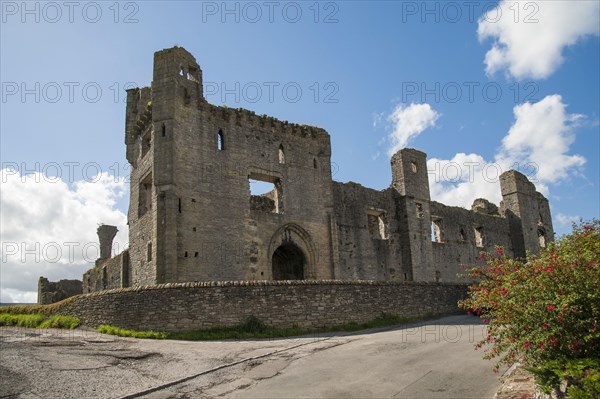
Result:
{"points": [[265, 193], [376, 224]]}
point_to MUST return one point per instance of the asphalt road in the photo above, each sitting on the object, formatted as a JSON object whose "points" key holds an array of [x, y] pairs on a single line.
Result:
{"points": [[427, 360]]}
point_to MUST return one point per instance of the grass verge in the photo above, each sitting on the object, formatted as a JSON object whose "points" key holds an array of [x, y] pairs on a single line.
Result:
{"points": [[38, 309], [38, 320], [253, 328]]}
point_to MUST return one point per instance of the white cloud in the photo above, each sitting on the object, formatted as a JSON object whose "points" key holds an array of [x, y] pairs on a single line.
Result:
{"points": [[408, 122], [541, 135], [537, 145], [49, 229], [458, 181], [529, 37], [565, 221]]}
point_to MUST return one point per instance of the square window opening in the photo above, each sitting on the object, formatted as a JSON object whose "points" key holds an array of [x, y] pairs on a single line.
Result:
{"points": [[265, 194]]}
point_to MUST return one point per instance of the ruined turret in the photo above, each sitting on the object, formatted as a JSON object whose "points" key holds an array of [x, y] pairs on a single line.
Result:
{"points": [[106, 235]]}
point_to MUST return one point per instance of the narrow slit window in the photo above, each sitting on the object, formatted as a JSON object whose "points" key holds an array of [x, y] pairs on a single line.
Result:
{"points": [[145, 195], [149, 252], [437, 230], [479, 237], [220, 141], [281, 154], [542, 238], [146, 142], [462, 236], [164, 130], [315, 163]]}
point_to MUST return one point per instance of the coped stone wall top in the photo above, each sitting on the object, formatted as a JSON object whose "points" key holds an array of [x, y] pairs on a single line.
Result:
{"points": [[257, 283]]}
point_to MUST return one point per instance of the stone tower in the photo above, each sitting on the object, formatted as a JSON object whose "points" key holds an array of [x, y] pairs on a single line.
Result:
{"points": [[411, 181], [192, 214], [528, 213]]}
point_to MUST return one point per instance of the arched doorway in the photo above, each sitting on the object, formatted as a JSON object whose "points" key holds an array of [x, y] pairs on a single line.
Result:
{"points": [[288, 263]]}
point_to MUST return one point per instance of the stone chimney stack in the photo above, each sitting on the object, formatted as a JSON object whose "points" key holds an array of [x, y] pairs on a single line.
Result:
{"points": [[106, 235]]}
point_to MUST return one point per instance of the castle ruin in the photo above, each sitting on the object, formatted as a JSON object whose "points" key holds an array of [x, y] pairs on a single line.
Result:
{"points": [[192, 216]]}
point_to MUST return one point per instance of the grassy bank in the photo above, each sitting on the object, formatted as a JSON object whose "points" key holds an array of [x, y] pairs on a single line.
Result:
{"points": [[38, 320], [253, 328]]}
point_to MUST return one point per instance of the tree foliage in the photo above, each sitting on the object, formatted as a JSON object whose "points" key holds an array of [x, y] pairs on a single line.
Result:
{"points": [[542, 310]]}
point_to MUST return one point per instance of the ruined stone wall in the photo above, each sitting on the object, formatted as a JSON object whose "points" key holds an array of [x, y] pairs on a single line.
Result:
{"points": [[528, 212], [54, 291], [369, 234], [310, 304], [108, 274], [141, 220], [455, 242], [192, 216]]}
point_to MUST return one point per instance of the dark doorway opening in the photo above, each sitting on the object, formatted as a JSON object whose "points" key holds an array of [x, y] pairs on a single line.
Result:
{"points": [[288, 263]]}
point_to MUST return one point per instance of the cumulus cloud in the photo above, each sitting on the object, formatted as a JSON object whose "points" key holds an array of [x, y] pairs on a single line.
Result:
{"points": [[537, 145], [565, 221], [458, 181], [529, 37], [408, 122], [49, 229], [541, 135]]}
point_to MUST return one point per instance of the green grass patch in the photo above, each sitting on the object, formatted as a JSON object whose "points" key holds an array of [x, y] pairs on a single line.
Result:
{"points": [[38, 321], [121, 332], [59, 321], [253, 328], [21, 320]]}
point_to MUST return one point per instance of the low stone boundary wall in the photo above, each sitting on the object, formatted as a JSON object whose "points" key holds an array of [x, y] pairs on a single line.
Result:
{"points": [[307, 304]]}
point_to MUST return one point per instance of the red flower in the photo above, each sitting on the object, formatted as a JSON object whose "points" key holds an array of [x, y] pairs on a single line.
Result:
{"points": [[545, 326], [550, 308], [527, 344], [500, 251], [553, 341]]}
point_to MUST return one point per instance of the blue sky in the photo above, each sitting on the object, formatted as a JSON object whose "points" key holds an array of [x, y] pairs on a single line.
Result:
{"points": [[489, 90]]}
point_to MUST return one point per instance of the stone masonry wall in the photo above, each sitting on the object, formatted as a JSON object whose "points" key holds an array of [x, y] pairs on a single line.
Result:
{"points": [[310, 304], [108, 274], [54, 291]]}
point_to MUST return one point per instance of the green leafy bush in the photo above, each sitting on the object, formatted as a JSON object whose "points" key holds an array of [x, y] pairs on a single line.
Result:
{"points": [[544, 309]]}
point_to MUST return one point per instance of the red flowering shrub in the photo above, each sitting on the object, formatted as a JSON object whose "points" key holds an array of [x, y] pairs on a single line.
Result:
{"points": [[545, 308]]}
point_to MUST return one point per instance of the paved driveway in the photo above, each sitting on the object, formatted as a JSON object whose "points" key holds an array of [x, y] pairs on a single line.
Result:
{"points": [[428, 360]]}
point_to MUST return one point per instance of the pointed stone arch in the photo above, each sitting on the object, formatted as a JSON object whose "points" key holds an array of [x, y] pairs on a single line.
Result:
{"points": [[293, 239]]}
